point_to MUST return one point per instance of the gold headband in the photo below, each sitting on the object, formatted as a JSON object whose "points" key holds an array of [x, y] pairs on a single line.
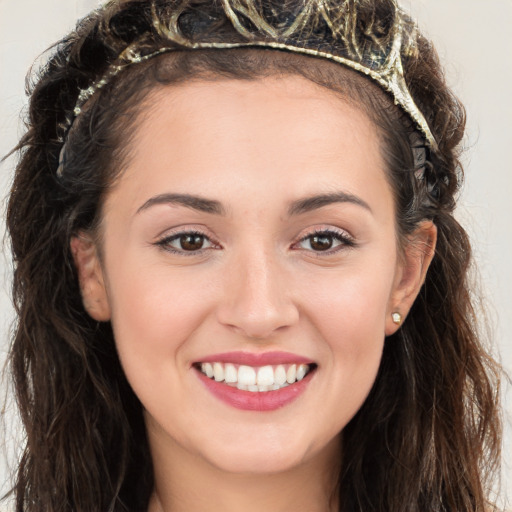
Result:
{"points": [[360, 41]]}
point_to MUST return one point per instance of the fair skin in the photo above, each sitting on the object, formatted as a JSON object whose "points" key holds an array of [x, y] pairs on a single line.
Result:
{"points": [[255, 280]]}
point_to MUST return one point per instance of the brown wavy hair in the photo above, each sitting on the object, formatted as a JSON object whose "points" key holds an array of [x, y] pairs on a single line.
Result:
{"points": [[428, 436]]}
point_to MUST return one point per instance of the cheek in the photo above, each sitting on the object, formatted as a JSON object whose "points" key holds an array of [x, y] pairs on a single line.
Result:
{"points": [[154, 313], [350, 304], [354, 331], [348, 311]]}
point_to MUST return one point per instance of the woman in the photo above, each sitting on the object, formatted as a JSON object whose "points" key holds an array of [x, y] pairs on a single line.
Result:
{"points": [[238, 277]]}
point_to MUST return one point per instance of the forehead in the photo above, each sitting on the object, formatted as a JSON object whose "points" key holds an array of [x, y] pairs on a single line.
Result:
{"points": [[281, 132]]}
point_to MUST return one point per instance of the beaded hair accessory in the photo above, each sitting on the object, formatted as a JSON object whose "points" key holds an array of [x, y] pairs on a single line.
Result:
{"points": [[350, 32]]}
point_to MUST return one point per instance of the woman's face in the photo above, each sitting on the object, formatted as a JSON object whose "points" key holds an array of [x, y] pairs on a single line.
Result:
{"points": [[252, 228]]}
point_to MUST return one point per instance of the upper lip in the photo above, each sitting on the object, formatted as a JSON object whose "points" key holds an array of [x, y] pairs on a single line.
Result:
{"points": [[256, 358]]}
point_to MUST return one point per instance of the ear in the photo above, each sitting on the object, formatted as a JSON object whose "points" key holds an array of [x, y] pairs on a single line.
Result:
{"points": [[90, 277], [411, 271]]}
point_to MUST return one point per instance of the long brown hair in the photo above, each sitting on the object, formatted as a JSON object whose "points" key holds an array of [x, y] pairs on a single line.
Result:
{"points": [[428, 435]]}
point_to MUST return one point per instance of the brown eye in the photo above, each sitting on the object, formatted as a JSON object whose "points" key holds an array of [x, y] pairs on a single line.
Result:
{"points": [[321, 242], [191, 242], [326, 241], [186, 242]]}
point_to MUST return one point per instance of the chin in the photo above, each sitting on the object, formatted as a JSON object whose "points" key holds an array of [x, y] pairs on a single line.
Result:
{"points": [[265, 454], [257, 462]]}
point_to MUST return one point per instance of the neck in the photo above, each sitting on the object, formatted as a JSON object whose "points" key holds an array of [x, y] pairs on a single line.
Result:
{"points": [[185, 482]]}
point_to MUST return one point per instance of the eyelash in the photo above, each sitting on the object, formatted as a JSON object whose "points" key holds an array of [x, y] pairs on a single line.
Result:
{"points": [[165, 242], [346, 241]]}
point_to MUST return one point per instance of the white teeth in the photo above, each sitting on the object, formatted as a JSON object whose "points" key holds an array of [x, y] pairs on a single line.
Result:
{"points": [[230, 373], [207, 369], [301, 371], [246, 375], [279, 375], [262, 379], [291, 374], [218, 372], [265, 376]]}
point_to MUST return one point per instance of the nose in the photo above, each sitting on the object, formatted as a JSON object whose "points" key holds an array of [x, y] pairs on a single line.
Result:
{"points": [[257, 299]]}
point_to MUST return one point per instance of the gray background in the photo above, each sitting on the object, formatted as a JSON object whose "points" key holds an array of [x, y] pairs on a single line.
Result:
{"points": [[474, 40]]}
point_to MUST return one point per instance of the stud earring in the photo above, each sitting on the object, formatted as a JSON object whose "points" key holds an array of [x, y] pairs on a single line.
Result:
{"points": [[397, 318]]}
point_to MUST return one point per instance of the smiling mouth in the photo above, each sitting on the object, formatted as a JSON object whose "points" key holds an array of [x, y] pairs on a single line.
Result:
{"points": [[255, 379]]}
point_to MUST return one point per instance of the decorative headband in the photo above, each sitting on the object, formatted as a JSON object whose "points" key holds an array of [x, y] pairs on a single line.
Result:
{"points": [[338, 30]]}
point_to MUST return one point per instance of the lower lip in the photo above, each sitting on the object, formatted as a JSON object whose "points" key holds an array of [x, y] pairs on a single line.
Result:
{"points": [[258, 400]]}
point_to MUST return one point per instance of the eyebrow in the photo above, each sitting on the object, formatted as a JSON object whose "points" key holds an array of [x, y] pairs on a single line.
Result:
{"points": [[194, 202], [214, 207], [318, 201]]}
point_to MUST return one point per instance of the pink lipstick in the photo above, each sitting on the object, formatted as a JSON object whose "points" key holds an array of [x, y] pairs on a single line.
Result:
{"points": [[255, 381]]}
